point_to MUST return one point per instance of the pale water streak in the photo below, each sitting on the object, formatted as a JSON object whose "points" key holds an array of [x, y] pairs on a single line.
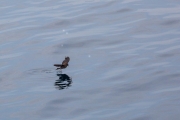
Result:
{"points": [[125, 59]]}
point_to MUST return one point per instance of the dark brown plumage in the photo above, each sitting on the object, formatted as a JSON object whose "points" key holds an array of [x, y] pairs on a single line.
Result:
{"points": [[64, 63]]}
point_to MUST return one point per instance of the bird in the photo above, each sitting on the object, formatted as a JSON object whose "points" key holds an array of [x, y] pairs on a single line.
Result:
{"points": [[64, 64]]}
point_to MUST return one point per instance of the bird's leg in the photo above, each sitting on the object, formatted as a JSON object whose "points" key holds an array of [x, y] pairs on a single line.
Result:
{"points": [[59, 71]]}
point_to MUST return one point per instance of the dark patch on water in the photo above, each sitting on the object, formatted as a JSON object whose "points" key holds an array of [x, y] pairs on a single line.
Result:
{"points": [[62, 101], [123, 10], [171, 22]]}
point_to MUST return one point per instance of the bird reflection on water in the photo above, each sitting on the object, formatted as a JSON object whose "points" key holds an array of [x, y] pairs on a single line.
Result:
{"points": [[63, 82]]}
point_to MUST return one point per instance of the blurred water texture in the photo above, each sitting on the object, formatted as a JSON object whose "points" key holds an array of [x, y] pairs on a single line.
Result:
{"points": [[125, 59]]}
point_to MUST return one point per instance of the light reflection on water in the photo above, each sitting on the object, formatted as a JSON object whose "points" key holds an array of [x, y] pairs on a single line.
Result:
{"points": [[124, 59]]}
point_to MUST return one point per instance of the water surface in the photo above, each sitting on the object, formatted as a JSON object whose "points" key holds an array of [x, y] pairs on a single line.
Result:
{"points": [[124, 59]]}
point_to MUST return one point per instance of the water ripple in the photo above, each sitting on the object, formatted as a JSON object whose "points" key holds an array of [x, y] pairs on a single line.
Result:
{"points": [[11, 55]]}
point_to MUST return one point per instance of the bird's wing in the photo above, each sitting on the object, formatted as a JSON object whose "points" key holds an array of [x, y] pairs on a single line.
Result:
{"points": [[57, 65]]}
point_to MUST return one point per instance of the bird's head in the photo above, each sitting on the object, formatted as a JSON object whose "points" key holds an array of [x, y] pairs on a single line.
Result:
{"points": [[67, 58]]}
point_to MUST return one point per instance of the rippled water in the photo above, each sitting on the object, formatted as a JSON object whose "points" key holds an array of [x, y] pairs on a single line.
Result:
{"points": [[125, 59]]}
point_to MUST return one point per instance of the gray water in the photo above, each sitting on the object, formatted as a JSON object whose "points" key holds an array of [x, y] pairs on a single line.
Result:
{"points": [[125, 59]]}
